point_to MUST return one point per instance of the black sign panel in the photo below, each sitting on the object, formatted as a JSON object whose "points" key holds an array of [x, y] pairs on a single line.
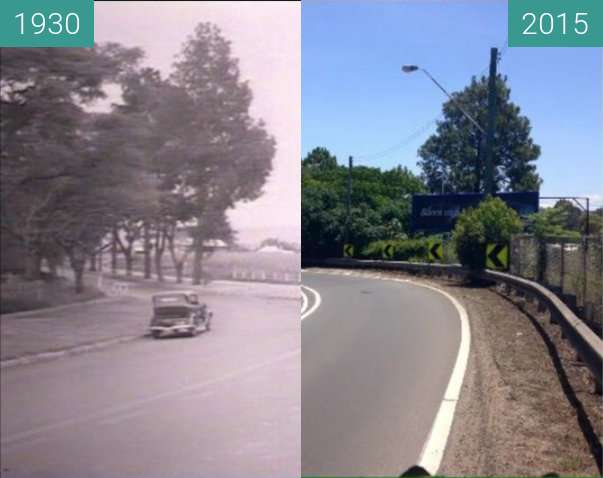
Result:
{"points": [[435, 213]]}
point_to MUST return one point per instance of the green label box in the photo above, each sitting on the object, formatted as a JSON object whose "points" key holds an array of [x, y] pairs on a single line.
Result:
{"points": [[555, 23], [47, 23]]}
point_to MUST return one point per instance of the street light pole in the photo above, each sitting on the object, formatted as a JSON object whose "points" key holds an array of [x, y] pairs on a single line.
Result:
{"points": [[489, 179], [411, 68]]}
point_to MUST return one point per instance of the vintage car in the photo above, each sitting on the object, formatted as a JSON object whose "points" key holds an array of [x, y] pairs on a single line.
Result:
{"points": [[179, 312]]}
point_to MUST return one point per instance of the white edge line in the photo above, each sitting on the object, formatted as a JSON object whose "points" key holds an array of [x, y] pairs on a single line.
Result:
{"points": [[435, 445], [433, 449], [316, 305], [304, 298]]}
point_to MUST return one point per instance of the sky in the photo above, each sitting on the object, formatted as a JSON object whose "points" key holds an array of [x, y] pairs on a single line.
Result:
{"points": [[356, 101], [265, 38]]}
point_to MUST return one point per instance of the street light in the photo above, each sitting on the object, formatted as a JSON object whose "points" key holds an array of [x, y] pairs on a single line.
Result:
{"points": [[413, 68]]}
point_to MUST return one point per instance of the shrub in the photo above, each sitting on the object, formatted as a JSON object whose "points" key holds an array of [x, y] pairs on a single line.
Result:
{"points": [[491, 222], [413, 250]]}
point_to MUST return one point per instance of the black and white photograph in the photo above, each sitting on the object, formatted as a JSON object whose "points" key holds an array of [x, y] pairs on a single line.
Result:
{"points": [[150, 262]]}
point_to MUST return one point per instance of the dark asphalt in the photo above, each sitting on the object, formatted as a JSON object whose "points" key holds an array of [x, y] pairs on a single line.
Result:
{"points": [[376, 360], [223, 404]]}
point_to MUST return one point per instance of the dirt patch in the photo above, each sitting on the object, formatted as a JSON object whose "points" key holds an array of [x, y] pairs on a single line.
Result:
{"points": [[527, 406]]}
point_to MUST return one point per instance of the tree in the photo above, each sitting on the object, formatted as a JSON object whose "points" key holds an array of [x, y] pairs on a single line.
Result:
{"points": [[491, 222], [596, 222], [45, 133], [563, 219], [320, 158], [452, 159], [224, 155], [144, 94], [380, 204]]}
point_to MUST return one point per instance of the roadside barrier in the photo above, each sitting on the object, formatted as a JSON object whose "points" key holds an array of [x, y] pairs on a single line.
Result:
{"points": [[112, 288], [588, 346]]}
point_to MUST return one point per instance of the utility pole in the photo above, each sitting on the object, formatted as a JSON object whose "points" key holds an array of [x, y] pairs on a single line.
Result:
{"points": [[587, 216], [491, 122], [348, 219]]}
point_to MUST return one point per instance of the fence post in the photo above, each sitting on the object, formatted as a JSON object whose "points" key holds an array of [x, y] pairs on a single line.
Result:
{"points": [[585, 269], [562, 266], [542, 260], [515, 259]]}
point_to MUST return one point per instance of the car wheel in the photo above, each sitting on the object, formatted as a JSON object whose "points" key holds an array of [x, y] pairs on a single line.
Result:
{"points": [[155, 334]]}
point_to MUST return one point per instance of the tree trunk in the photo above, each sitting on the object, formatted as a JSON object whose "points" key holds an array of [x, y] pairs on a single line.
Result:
{"points": [[77, 260], [179, 270], [92, 263], [129, 262], [147, 251], [113, 253], [33, 264], [198, 265], [53, 267], [79, 279], [159, 265]]}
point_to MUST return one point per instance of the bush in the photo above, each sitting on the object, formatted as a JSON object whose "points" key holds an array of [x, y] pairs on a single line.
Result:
{"points": [[491, 222], [413, 250]]}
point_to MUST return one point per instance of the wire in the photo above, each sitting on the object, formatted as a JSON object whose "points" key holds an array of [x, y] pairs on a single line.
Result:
{"points": [[409, 139], [400, 144]]}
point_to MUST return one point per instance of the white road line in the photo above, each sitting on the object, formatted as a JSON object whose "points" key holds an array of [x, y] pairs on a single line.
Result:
{"points": [[433, 450], [315, 305], [114, 420], [304, 301], [435, 445]]}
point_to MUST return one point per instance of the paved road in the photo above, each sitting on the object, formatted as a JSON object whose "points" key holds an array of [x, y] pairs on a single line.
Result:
{"points": [[223, 404], [376, 359]]}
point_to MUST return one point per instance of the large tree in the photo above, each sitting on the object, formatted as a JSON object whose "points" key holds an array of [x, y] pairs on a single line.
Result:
{"points": [[223, 154], [320, 158], [53, 151], [453, 158]]}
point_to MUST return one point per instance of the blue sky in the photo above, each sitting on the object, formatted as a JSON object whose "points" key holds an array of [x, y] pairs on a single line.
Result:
{"points": [[355, 100]]}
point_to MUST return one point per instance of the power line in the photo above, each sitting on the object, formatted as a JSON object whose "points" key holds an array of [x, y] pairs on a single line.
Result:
{"points": [[400, 144], [370, 157]]}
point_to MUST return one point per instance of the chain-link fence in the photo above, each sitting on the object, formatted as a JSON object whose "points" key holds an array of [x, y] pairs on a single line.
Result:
{"points": [[572, 268]]}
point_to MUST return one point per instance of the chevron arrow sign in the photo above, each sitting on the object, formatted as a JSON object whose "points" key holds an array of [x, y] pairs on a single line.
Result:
{"points": [[497, 256], [388, 251]]}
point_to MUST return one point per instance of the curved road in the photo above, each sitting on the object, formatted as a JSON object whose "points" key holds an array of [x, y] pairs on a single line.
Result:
{"points": [[223, 404], [377, 356]]}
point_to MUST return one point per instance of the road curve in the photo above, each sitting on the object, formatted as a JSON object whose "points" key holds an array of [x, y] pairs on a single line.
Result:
{"points": [[223, 404], [377, 356]]}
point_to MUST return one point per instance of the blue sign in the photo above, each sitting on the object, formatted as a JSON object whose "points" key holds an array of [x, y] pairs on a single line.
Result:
{"points": [[436, 213]]}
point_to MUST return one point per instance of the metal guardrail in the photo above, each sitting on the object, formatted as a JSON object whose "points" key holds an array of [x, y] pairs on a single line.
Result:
{"points": [[588, 346]]}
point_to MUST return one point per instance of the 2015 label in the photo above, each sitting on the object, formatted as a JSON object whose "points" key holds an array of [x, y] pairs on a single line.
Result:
{"points": [[555, 23], [547, 23]]}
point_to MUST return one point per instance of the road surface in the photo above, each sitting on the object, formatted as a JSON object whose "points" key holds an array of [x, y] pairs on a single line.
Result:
{"points": [[376, 359], [223, 404]]}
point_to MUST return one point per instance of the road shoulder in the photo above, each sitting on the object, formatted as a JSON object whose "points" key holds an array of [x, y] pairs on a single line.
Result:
{"points": [[527, 406]]}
